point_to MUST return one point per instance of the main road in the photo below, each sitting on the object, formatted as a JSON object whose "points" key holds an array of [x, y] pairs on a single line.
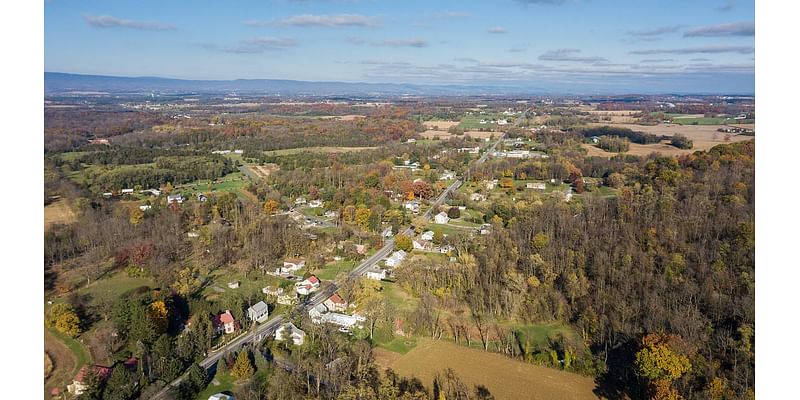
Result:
{"points": [[260, 332]]}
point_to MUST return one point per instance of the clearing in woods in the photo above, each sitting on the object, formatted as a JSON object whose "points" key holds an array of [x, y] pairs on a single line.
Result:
{"points": [[504, 377], [58, 213]]}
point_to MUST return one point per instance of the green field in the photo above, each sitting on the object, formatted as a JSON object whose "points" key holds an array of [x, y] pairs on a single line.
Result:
{"points": [[472, 122], [225, 385], [539, 335], [398, 296], [333, 269], [398, 344], [116, 285], [702, 121], [325, 149]]}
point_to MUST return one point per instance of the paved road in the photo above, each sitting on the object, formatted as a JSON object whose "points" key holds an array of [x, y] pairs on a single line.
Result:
{"points": [[266, 329]]}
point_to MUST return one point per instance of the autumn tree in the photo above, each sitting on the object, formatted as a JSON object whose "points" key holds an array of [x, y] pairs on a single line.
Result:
{"points": [[242, 367], [661, 362], [403, 242], [159, 313], [65, 319], [270, 206]]}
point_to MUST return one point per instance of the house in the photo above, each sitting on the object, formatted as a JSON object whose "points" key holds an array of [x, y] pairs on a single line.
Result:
{"points": [[412, 205], [395, 259], [299, 201], [316, 312], [376, 274], [446, 249], [108, 194], [387, 232], [344, 321], [502, 122], [202, 198], [470, 150], [441, 218], [292, 265], [287, 298], [335, 303], [595, 139], [79, 385], [221, 396], [290, 331], [535, 185], [331, 214], [174, 198], [126, 191], [315, 204], [427, 235], [233, 285], [192, 234], [224, 323], [154, 192], [307, 286], [447, 176], [145, 207], [477, 197], [258, 312], [272, 291], [491, 184], [421, 244]]}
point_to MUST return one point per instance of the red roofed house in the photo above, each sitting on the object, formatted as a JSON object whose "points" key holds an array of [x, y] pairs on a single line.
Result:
{"points": [[335, 303], [224, 323], [79, 384], [308, 286]]}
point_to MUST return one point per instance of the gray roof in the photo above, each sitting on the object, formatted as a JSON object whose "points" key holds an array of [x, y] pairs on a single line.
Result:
{"points": [[260, 306]]}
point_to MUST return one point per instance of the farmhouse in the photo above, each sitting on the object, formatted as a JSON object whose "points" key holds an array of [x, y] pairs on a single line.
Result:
{"points": [[79, 384], [395, 259], [345, 322], [259, 312], [300, 201], [224, 323], [477, 197], [316, 312], [307, 286], [174, 198], [376, 273], [427, 235], [126, 191], [290, 331], [292, 265], [335, 303], [535, 185], [447, 175], [441, 218]]}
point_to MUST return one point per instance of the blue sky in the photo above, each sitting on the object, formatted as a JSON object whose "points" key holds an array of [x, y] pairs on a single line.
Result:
{"points": [[570, 45]]}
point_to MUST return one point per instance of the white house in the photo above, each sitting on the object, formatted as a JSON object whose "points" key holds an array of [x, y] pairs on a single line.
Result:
{"points": [[315, 204], [292, 265], [387, 232], [126, 191], [412, 205], [447, 176], [307, 286], [376, 274], [258, 312], [420, 244], [412, 140], [145, 207], [316, 312], [299, 201], [477, 197], [395, 259], [221, 396], [441, 218], [335, 303], [343, 320], [535, 185], [427, 235], [233, 284], [290, 331], [174, 198]]}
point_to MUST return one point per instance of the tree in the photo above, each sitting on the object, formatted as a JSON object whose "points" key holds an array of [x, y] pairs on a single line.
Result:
{"points": [[438, 236], [270, 206], [121, 384], [136, 216], [362, 216], [158, 313], [658, 360], [63, 317], [454, 213], [506, 183], [242, 368], [403, 242]]}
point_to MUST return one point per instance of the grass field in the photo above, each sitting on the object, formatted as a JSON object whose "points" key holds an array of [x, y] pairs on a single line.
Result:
{"points": [[333, 269], [470, 122], [328, 149], [58, 212], [67, 355], [539, 335], [117, 284], [504, 377], [225, 385]]}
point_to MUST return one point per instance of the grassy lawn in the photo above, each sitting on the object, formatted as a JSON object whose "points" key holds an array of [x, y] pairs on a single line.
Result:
{"points": [[606, 191], [117, 284], [446, 228], [253, 283], [398, 296], [333, 269], [702, 121], [462, 222], [81, 353], [230, 182], [539, 335], [470, 122], [397, 344], [225, 384]]}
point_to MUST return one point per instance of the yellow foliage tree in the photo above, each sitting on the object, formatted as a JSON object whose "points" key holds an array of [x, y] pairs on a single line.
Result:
{"points": [[158, 314], [136, 216], [242, 368], [270, 207], [63, 317]]}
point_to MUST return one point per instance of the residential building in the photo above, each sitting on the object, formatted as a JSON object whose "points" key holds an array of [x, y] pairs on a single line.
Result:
{"points": [[79, 384], [315, 204], [224, 323], [174, 198], [293, 265], [145, 207], [395, 259], [344, 321], [477, 197], [233, 285], [258, 312], [307, 286], [335, 303], [126, 191], [316, 312], [535, 185], [441, 218], [290, 331], [427, 236], [376, 273]]}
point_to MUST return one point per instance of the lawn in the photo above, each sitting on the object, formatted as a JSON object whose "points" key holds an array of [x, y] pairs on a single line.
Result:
{"points": [[470, 122], [505, 377], [398, 344], [539, 335], [253, 283], [702, 121], [398, 297], [225, 385], [333, 269], [117, 284]]}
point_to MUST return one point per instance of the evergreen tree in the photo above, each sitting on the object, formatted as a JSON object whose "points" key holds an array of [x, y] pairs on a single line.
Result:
{"points": [[242, 368], [121, 385]]}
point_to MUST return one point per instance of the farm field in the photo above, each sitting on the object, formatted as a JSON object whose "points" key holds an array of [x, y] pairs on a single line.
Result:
{"points": [[326, 149], [263, 171], [439, 124], [58, 213], [495, 371], [444, 135], [703, 136]]}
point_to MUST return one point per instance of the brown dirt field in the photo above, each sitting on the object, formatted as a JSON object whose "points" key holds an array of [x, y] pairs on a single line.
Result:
{"points": [[440, 124], [433, 134], [58, 212], [504, 377], [63, 364], [264, 171], [349, 117], [385, 358], [481, 135], [704, 137]]}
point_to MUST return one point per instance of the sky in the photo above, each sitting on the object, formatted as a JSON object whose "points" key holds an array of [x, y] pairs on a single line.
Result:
{"points": [[627, 46]]}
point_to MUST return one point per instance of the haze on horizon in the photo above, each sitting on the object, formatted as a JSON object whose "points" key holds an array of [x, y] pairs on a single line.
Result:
{"points": [[571, 45]]}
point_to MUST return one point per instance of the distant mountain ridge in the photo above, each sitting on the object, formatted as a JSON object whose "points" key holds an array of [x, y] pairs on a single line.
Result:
{"points": [[58, 82]]}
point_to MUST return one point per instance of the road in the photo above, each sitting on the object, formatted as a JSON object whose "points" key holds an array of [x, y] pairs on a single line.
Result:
{"points": [[266, 329]]}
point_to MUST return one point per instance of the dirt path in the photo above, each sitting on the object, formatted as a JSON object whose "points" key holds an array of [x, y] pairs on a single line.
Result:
{"points": [[504, 377], [63, 364]]}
